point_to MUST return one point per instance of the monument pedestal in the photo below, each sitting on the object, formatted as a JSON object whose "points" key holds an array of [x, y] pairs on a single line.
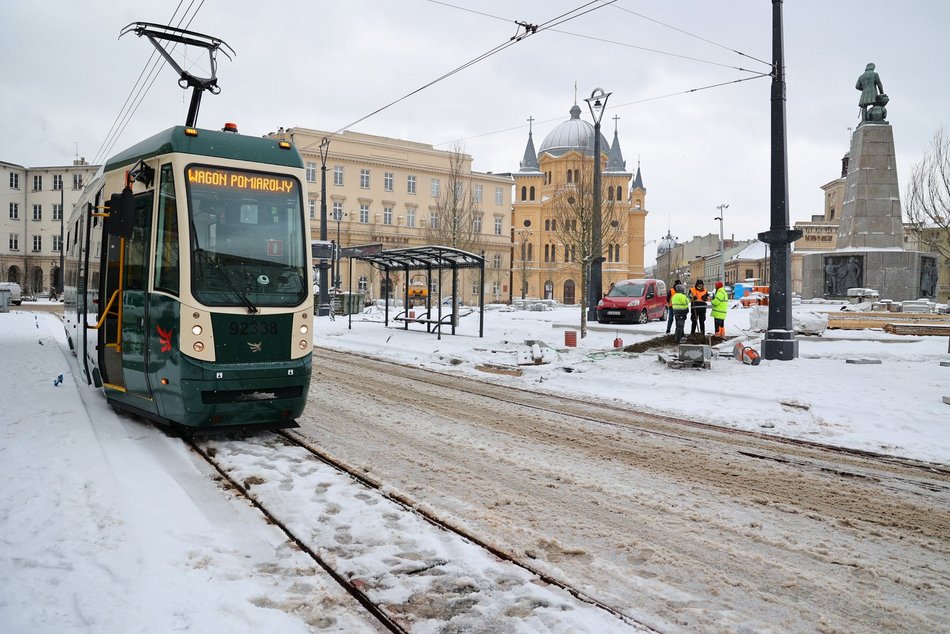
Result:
{"points": [[870, 249]]}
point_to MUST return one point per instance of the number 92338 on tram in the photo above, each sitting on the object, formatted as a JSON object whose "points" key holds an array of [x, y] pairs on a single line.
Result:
{"points": [[188, 280]]}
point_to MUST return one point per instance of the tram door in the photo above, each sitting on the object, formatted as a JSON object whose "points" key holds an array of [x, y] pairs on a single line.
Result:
{"points": [[123, 337]]}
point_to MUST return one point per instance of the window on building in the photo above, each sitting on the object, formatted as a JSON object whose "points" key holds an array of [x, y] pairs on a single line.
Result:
{"points": [[387, 215], [496, 261], [14, 242], [554, 224], [570, 176], [388, 181], [364, 213], [610, 193], [479, 194], [338, 175], [57, 182], [531, 193], [14, 211], [77, 181], [436, 188], [477, 227], [495, 288], [312, 206], [749, 273], [56, 243], [37, 243], [14, 181], [433, 220], [410, 217], [498, 225], [364, 179], [410, 184], [524, 193], [37, 182], [362, 284], [337, 210], [619, 192], [311, 172], [37, 212], [57, 211], [637, 203], [499, 196], [474, 288], [547, 224]]}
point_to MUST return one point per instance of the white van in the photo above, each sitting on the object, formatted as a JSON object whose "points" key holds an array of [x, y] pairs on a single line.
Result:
{"points": [[15, 292]]}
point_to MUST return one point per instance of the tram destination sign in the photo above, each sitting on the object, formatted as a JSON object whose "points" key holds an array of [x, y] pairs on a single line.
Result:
{"points": [[247, 181]]}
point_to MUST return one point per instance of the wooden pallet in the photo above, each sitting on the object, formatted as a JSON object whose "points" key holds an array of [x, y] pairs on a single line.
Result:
{"points": [[878, 319], [935, 330]]}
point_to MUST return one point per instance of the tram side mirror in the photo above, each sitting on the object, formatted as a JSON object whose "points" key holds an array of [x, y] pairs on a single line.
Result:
{"points": [[120, 209]]}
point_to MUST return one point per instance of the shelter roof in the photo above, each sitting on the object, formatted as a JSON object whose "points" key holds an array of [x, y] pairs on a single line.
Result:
{"points": [[424, 257]]}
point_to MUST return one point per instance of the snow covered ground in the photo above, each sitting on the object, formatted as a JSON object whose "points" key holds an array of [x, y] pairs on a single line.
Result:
{"points": [[110, 526]]}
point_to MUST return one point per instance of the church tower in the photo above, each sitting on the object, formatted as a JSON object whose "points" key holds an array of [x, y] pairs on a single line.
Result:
{"points": [[544, 263]]}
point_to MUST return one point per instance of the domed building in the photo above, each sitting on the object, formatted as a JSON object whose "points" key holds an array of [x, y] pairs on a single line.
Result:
{"points": [[549, 187]]}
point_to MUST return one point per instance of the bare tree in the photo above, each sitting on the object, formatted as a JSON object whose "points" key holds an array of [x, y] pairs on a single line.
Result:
{"points": [[928, 197], [453, 222], [573, 224]]}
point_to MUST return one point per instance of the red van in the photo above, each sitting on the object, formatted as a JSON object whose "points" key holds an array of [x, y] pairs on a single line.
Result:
{"points": [[633, 301]]}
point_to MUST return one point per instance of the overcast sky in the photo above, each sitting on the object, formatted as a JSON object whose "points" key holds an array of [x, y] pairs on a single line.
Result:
{"points": [[325, 65]]}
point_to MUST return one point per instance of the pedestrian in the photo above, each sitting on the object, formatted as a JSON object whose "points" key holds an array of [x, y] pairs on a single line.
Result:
{"points": [[680, 305], [720, 305], [669, 306], [698, 296]]}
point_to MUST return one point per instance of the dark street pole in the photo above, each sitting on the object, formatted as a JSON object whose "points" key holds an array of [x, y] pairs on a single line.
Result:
{"points": [[597, 103], [324, 307], [62, 245], [780, 342]]}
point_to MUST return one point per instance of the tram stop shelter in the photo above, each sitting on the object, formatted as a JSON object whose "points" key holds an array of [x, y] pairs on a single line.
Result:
{"points": [[431, 259]]}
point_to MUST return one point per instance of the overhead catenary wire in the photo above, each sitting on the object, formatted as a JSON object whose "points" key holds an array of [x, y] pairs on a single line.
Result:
{"points": [[140, 89], [529, 30]]}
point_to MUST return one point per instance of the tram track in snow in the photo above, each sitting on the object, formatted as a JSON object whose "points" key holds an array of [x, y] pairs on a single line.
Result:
{"points": [[514, 591], [577, 489]]}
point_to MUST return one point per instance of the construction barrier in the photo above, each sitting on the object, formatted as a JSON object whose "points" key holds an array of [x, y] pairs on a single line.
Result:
{"points": [[570, 338]]}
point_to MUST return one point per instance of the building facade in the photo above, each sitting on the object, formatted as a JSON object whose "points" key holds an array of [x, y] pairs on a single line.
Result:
{"points": [[545, 261], [32, 203], [392, 192]]}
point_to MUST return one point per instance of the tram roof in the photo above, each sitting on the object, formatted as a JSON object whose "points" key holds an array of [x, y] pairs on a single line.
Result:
{"points": [[208, 143], [425, 257]]}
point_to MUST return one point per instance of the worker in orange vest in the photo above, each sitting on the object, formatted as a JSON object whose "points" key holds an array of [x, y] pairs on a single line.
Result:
{"points": [[698, 296], [669, 305]]}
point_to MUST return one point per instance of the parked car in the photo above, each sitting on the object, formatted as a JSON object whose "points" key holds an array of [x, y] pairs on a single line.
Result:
{"points": [[16, 293], [633, 301]]}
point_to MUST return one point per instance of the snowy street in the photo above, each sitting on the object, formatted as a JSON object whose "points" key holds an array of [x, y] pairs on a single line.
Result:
{"points": [[668, 495]]}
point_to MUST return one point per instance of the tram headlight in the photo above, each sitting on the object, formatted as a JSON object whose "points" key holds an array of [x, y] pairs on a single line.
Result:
{"points": [[303, 344], [198, 346], [304, 329], [196, 330]]}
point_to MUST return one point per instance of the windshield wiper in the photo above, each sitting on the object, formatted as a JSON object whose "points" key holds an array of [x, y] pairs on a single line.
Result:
{"points": [[251, 308]]}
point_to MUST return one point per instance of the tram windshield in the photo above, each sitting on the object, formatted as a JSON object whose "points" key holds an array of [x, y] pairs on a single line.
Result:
{"points": [[247, 238]]}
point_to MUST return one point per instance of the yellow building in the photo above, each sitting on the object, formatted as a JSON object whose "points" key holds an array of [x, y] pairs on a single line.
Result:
{"points": [[545, 264], [392, 191]]}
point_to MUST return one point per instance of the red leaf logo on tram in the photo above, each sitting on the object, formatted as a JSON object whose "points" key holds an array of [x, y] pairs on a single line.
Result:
{"points": [[165, 336]]}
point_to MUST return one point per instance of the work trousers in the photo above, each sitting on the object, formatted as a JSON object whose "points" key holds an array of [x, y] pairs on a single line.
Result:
{"points": [[698, 318], [680, 316]]}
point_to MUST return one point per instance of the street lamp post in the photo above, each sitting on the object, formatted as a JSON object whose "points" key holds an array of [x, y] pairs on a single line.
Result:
{"points": [[324, 307], [597, 102], [779, 342], [722, 252], [524, 234]]}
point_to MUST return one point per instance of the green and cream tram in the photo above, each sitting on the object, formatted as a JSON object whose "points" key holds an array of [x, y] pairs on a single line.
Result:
{"points": [[188, 280]]}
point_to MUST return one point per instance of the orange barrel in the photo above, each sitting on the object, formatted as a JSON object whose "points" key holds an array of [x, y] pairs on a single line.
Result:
{"points": [[618, 343], [570, 338]]}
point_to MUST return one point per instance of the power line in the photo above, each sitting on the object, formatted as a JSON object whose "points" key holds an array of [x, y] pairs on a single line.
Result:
{"points": [[140, 91], [622, 105], [529, 30]]}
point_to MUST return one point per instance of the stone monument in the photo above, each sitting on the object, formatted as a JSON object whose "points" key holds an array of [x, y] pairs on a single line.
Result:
{"points": [[870, 249]]}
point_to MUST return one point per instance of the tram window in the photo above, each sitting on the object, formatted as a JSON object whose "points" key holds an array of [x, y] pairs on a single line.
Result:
{"points": [[166, 255]]}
